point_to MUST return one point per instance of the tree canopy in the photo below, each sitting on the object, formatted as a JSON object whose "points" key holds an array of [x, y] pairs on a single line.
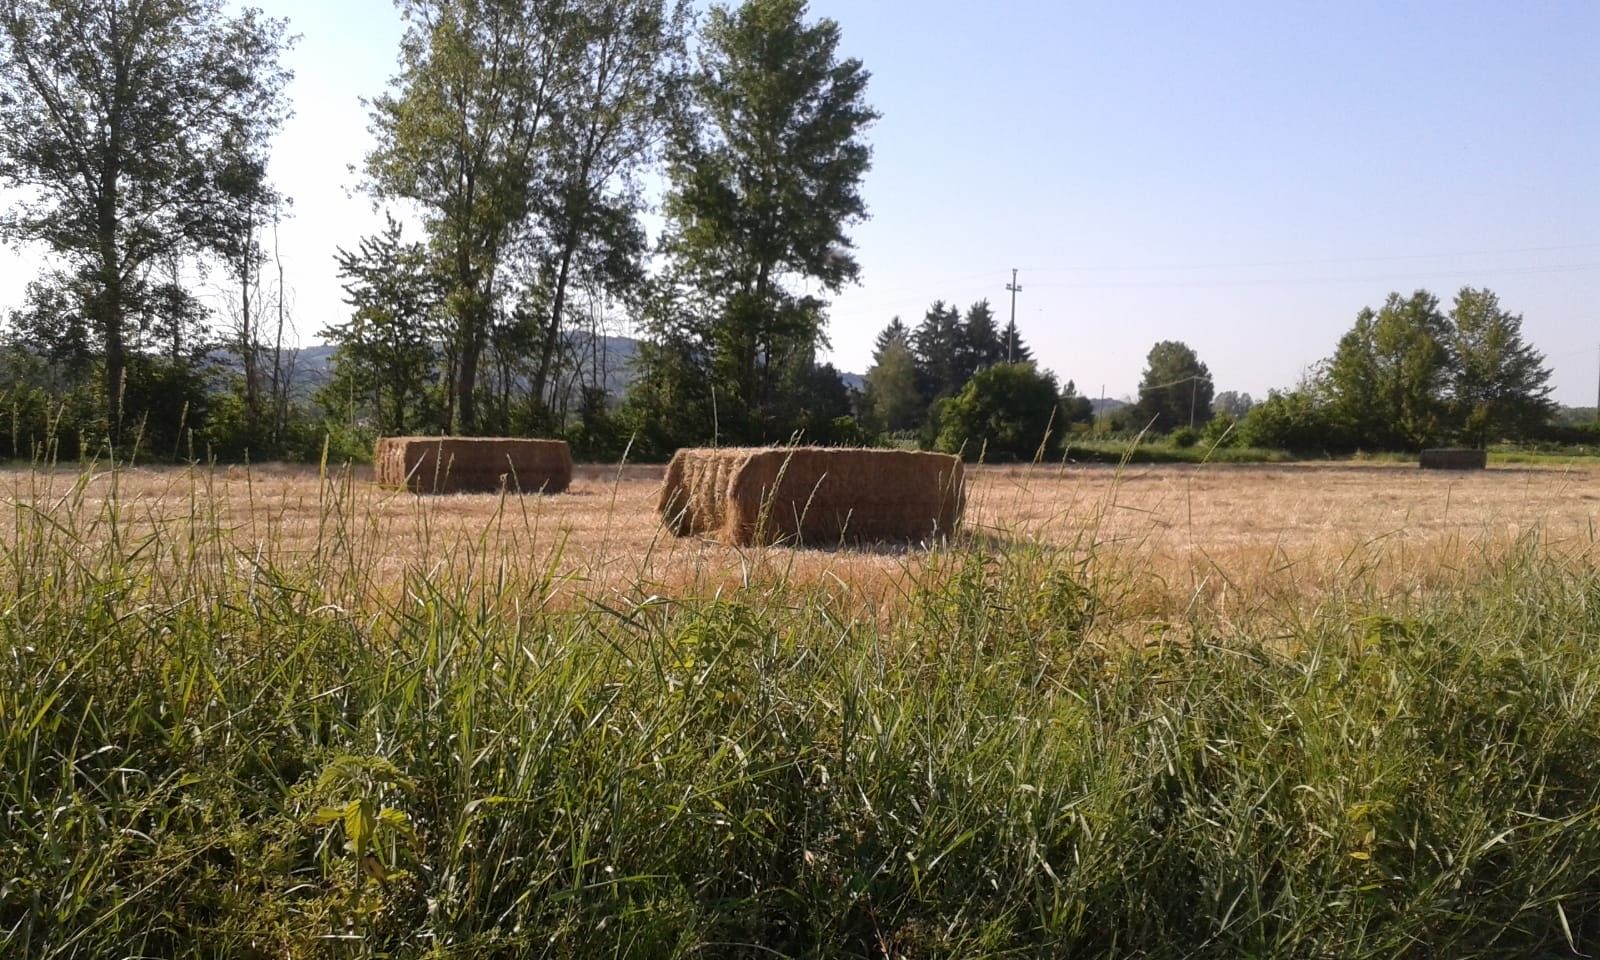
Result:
{"points": [[1176, 389], [764, 178], [135, 135], [1009, 411]]}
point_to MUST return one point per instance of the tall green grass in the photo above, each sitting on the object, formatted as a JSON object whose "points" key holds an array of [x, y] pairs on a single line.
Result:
{"points": [[208, 753]]}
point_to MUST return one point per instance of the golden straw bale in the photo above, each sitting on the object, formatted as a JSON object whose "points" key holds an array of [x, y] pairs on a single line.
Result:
{"points": [[813, 495], [473, 464]]}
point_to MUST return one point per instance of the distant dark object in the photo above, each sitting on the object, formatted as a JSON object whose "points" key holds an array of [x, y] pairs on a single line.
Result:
{"points": [[1453, 458]]}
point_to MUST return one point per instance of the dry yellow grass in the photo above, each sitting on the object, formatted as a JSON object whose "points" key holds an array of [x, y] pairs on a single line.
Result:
{"points": [[1236, 538]]}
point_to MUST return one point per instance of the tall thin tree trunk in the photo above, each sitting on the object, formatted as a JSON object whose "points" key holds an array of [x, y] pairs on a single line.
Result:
{"points": [[467, 372], [558, 304], [247, 337], [280, 389], [109, 310]]}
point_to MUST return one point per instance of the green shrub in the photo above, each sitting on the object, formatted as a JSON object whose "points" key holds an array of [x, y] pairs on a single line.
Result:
{"points": [[1006, 412], [1292, 420]]}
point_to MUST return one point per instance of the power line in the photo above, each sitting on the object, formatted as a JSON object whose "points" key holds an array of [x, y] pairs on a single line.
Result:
{"points": [[1242, 265], [1314, 281]]}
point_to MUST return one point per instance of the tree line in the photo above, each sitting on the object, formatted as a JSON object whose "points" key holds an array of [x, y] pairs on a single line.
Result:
{"points": [[1411, 374], [515, 152]]}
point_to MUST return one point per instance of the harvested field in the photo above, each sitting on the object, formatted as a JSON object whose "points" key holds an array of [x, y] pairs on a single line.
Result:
{"points": [[1235, 537]]}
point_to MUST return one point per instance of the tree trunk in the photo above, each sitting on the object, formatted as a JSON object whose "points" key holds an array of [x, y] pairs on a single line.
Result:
{"points": [[466, 421], [116, 356], [280, 388], [552, 331], [247, 340], [109, 314]]}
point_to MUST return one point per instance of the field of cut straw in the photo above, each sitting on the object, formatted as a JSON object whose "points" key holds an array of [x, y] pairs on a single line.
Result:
{"points": [[1236, 536], [1177, 711]]}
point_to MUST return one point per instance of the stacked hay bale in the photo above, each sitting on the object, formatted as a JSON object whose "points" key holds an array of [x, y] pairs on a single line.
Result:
{"points": [[473, 464], [1455, 459], [812, 495]]}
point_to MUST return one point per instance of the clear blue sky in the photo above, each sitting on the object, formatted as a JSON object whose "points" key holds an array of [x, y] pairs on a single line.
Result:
{"points": [[1241, 176]]}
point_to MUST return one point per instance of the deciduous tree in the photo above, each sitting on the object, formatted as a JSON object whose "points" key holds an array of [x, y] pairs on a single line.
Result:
{"points": [[895, 402], [1005, 412], [456, 137], [131, 132], [628, 64], [1176, 388], [1387, 379], [1499, 385], [386, 360], [765, 182]]}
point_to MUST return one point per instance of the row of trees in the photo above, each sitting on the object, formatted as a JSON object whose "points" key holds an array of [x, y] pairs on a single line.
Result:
{"points": [[1410, 374], [1407, 375], [523, 134], [520, 138], [133, 139], [960, 382]]}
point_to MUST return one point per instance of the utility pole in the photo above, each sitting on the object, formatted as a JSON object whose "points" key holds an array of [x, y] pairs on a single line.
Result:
{"points": [[1011, 334], [1194, 385]]}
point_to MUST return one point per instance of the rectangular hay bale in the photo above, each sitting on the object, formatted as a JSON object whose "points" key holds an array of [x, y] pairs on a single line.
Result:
{"points": [[473, 464], [812, 495], [1455, 458]]}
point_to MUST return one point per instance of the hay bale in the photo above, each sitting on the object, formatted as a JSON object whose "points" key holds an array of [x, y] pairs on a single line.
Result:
{"points": [[819, 496], [1452, 458], [473, 464]]}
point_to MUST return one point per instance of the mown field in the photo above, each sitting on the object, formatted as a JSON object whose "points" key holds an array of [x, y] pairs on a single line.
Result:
{"points": [[1296, 711]]}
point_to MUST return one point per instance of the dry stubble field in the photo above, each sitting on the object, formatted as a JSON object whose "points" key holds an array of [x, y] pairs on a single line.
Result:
{"points": [[1236, 538]]}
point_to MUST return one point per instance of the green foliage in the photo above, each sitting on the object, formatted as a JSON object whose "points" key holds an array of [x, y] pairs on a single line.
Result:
{"points": [[1222, 431], [625, 67], [1232, 404], [981, 344], [823, 405], [1014, 350], [1184, 437], [892, 397], [1009, 411], [764, 184], [385, 367], [1387, 380], [1499, 385], [1075, 409], [456, 137], [940, 346], [138, 133], [1408, 376], [1295, 420], [1176, 388]]}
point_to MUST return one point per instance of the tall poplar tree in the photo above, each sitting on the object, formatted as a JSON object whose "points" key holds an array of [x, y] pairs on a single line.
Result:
{"points": [[456, 137], [765, 181], [584, 225], [1499, 384]]}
